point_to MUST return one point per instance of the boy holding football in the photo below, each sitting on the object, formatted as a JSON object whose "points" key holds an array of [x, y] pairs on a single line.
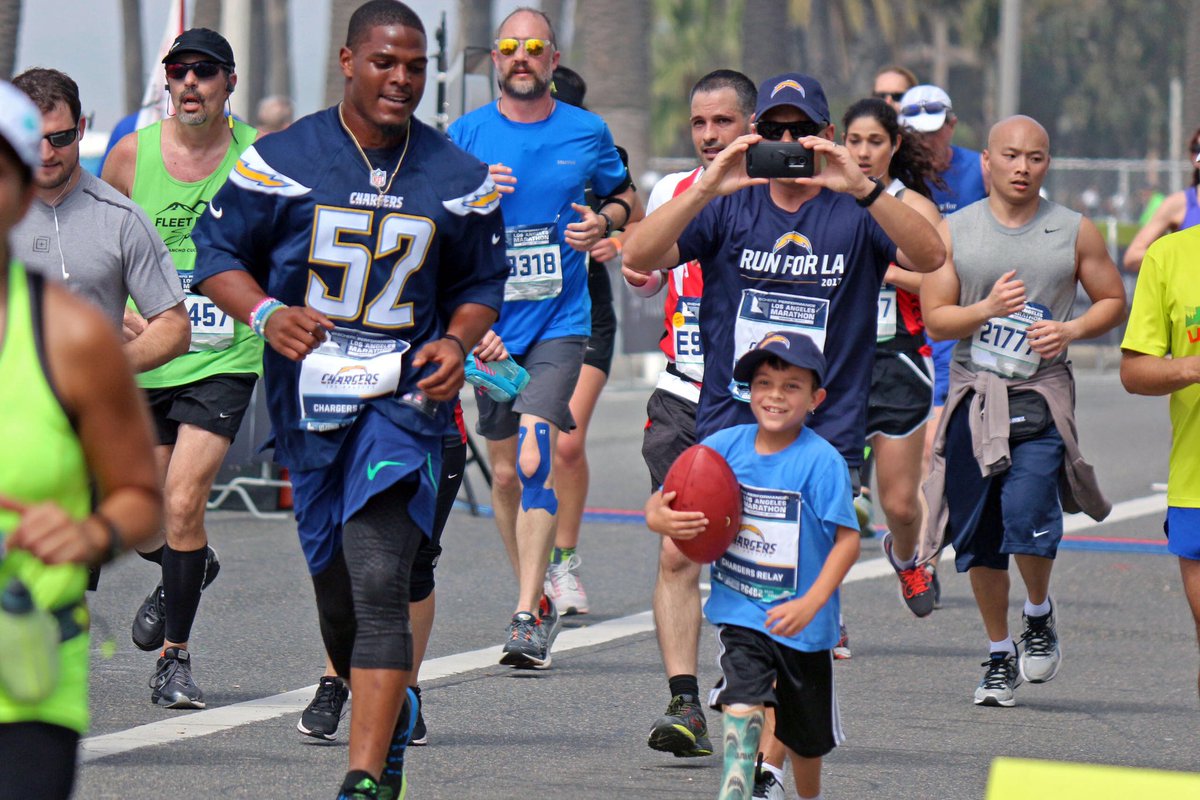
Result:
{"points": [[775, 590]]}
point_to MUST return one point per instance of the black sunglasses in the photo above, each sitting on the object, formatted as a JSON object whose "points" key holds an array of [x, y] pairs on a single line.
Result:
{"points": [[895, 97], [932, 107], [62, 138], [177, 71], [773, 131]]}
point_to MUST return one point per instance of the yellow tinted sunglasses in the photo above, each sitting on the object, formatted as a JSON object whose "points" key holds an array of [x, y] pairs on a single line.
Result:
{"points": [[534, 47]]}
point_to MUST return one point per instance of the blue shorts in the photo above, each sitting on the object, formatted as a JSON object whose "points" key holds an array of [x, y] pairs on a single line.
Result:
{"points": [[1015, 512], [943, 354], [375, 455], [1184, 523]]}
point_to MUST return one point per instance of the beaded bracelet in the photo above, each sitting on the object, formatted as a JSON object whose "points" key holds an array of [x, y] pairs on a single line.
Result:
{"points": [[261, 313], [454, 338]]}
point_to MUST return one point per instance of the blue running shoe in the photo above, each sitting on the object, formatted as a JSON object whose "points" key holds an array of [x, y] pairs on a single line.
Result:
{"points": [[393, 783], [359, 785]]}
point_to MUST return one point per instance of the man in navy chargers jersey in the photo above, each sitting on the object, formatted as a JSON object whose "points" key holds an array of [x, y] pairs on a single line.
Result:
{"points": [[804, 255], [385, 255]]}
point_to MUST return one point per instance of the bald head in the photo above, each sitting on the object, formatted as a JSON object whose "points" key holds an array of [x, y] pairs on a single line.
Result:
{"points": [[1018, 127]]}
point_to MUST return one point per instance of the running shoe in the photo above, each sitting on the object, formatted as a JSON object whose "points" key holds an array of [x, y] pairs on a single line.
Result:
{"points": [[420, 736], [359, 785], [320, 720], [915, 589], [936, 584], [150, 621], [393, 783], [841, 650], [523, 648], [683, 730], [862, 509], [766, 785], [1041, 654], [1000, 678], [564, 587], [172, 682]]}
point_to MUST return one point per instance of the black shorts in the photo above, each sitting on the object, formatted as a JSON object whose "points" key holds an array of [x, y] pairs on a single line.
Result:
{"points": [[670, 429], [216, 404], [757, 670], [454, 461], [604, 319], [901, 393]]}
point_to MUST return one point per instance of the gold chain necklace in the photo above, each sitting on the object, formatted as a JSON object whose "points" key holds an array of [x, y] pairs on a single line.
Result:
{"points": [[379, 178]]}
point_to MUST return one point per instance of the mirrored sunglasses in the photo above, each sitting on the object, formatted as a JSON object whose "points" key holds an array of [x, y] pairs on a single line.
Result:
{"points": [[534, 47], [931, 107], [62, 138], [204, 69]]}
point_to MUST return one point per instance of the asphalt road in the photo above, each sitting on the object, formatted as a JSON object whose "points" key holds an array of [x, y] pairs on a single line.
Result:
{"points": [[1126, 694]]}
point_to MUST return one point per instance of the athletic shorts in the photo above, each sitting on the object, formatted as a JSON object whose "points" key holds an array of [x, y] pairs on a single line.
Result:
{"points": [[454, 461], [1182, 527], [943, 354], [604, 319], [216, 404], [670, 429], [757, 670], [553, 367], [1015, 512], [901, 394], [375, 455]]}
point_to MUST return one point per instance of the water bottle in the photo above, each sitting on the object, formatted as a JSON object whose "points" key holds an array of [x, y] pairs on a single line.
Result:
{"points": [[502, 380], [28, 646]]}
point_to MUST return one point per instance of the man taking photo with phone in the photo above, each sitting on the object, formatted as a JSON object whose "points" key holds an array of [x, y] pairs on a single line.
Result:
{"points": [[788, 254]]}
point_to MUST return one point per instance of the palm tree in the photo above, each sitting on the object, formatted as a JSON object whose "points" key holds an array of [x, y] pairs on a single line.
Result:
{"points": [[207, 14], [131, 16], [10, 24], [340, 12], [612, 38]]}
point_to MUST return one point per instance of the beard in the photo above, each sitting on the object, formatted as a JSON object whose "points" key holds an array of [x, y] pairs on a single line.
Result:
{"points": [[194, 118], [531, 85]]}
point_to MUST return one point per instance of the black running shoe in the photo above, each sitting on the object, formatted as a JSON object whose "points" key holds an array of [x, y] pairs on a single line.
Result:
{"points": [[150, 621], [320, 720], [393, 783], [420, 736], [683, 730], [359, 785], [172, 682]]}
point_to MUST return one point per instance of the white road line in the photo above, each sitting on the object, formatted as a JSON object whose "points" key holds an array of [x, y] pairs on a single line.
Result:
{"points": [[203, 723]]}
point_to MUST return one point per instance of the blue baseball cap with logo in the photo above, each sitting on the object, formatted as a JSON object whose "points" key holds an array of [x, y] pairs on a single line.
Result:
{"points": [[793, 89], [790, 347]]}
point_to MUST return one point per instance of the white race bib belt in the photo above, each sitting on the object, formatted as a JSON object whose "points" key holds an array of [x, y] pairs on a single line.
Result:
{"points": [[685, 328], [885, 322], [1001, 345], [348, 369], [763, 563], [212, 328], [534, 262], [760, 313]]}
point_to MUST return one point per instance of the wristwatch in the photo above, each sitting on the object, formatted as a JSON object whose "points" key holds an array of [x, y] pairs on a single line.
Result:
{"points": [[873, 196]]}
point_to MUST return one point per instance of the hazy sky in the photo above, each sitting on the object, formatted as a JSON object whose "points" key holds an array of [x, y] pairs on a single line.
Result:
{"points": [[83, 38]]}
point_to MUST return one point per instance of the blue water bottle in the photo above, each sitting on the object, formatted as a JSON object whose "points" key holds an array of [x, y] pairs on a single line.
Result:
{"points": [[502, 380]]}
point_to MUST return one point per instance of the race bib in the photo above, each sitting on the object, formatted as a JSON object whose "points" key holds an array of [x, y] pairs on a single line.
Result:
{"points": [[534, 262], [1000, 346], [763, 563], [685, 328], [348, 369], [760, 313], [885, 323], [212, 328]]}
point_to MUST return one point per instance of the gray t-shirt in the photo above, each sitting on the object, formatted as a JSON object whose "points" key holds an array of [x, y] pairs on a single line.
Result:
{"points": [[103, 247], [1042, 251]]}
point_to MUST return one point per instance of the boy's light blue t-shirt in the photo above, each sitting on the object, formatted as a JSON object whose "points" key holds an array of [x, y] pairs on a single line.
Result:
{"points": [[553, 160], [802, 491]]}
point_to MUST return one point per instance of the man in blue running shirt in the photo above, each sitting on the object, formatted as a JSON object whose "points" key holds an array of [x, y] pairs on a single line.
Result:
{"points": [[542, 155]]}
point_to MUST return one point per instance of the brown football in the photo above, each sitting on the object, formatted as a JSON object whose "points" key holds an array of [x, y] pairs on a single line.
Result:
{"points": [[703, 481]]}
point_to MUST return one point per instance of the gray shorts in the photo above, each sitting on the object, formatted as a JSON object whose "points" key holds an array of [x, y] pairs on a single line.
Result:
{"points": [[553, 367]]}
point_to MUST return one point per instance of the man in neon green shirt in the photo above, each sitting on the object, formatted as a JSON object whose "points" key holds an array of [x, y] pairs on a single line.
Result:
{"points": [[1161, 355], [172, 169]]}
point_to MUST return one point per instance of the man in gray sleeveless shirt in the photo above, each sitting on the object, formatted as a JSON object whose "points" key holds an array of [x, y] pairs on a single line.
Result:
{"points": [[1008, 433]]}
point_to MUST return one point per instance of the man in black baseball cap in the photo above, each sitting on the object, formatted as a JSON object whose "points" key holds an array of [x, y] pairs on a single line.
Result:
{"points": [[203, 41]]}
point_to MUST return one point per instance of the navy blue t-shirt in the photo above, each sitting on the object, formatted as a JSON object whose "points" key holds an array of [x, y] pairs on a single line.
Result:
{"points": [[301, 214], [816, 271]]}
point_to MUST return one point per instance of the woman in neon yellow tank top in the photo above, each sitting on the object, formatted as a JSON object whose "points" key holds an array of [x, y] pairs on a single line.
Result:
{"points": [[72, 420]]}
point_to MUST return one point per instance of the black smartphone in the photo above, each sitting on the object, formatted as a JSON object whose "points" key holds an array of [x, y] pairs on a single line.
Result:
{"points": [[779, 160]]}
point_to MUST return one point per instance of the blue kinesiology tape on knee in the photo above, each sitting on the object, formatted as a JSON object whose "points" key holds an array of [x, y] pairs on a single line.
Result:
{"points": [[534, 493]]}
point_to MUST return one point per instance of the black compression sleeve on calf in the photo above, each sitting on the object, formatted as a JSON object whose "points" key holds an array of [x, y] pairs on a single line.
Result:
{"points": [[335, 613], [154, 556], [183, 575], [380, 543]]}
